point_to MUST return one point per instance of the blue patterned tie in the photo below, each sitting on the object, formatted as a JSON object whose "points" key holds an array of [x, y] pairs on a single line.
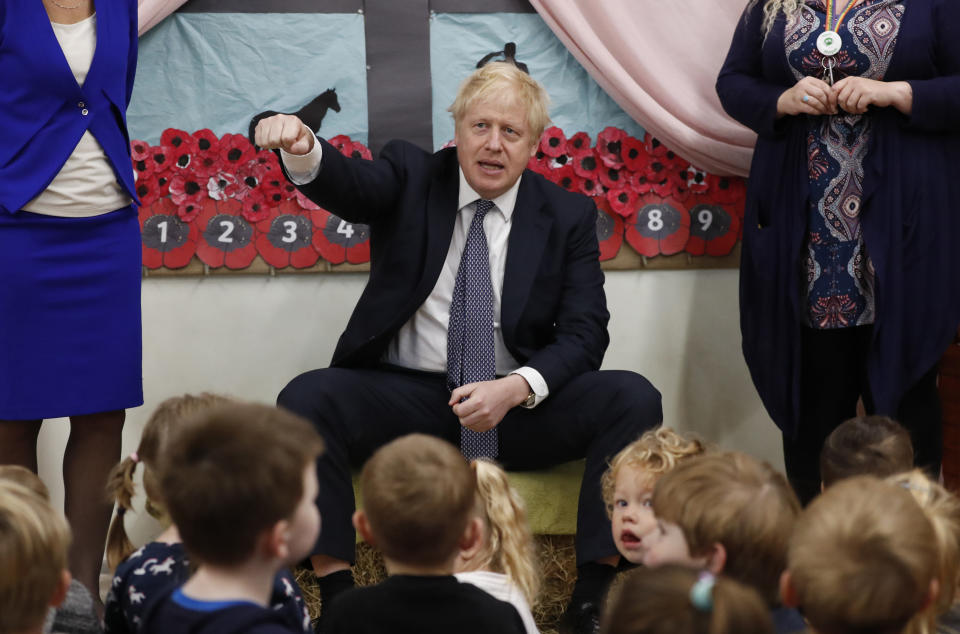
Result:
{"points": [[471, 355]]}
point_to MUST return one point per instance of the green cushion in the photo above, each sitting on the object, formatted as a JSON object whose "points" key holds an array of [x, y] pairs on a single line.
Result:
{"points": [[551, 497]]}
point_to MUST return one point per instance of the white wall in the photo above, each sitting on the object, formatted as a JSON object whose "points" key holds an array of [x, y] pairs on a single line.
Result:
{"points": [[248, 335]]}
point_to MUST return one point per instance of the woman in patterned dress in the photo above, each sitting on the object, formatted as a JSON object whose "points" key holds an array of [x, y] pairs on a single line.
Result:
{"points": [[850, 279]]}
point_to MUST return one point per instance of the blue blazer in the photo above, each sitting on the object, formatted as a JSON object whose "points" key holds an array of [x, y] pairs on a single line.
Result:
{"points": [[553, 310], [43, 112], [910, 222]]}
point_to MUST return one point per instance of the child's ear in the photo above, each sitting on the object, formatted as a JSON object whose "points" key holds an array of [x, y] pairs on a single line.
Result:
{"points": [[60, 594], [788, 593], [472, 540], [717, 558], [362, 524], [276, 540], [932, 594]]}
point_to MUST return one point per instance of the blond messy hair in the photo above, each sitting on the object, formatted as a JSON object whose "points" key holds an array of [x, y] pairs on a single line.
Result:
{"points": [[26, 478], [862, 558], [738, 501], [120, 484], [658, 601], [509, 546], [418, 495], [773, 8], [942, 509], [655, 452], [34, 541], [503, 81]]}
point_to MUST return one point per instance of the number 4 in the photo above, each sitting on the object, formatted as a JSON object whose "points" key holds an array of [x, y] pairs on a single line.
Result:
{"points": [[345, 228]]}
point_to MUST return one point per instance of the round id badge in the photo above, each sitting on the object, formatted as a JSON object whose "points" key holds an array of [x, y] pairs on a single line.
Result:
{"points": [[828, 43]]}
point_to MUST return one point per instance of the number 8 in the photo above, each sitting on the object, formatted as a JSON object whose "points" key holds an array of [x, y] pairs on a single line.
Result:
{"points": [[655, 220]]}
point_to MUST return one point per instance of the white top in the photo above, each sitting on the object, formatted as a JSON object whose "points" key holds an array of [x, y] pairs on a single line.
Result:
{"points": [[500, 587], [421, 343], [86, 185]]}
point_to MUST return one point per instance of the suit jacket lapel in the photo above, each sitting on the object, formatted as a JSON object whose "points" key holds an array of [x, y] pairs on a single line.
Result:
{"points": [[441, 217], [528, 237], [105, 31]]}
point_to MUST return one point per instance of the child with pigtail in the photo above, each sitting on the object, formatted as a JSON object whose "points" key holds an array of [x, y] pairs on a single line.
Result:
{"points": [[141, 574], [504, 562]]}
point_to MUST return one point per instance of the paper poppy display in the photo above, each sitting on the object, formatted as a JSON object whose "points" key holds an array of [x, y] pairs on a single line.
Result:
{"points": [[553, 142], [634, 154], [565, 177], [579, 145], [622, 201], [168, 241], [658, 226], [609, 143], [338, 240], [285, 238], [713, 230], [226, 238], [609, 230], [587, 165]]}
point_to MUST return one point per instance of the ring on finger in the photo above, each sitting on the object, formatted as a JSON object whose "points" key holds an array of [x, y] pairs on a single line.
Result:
{"points": [[805, 99]]}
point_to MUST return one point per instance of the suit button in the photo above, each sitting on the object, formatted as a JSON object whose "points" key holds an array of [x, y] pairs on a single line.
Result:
{"points": [[81, 105], [84, 112]]}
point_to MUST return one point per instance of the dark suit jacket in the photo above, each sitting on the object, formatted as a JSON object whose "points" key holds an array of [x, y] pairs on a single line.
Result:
{"points": [[553, 309], [43, 112], [910, 223]]}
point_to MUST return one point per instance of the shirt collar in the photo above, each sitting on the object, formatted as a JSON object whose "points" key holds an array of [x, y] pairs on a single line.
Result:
{"points": [[505, 202]]}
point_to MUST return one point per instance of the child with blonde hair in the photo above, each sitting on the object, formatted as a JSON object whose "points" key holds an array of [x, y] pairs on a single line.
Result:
{"points": [[141, 574], [863, 558], [628, 484], [674, 599], [942, 508], [240, 483], [504, 561], [76, 614], [34, 541]]}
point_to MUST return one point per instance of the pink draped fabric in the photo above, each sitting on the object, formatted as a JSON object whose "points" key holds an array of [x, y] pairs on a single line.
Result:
{"points": [[659, 59], [153, 11]]}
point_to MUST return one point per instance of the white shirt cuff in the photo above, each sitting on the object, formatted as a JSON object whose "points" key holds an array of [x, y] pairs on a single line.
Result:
{"points": [[303, 168], [536, 382]]}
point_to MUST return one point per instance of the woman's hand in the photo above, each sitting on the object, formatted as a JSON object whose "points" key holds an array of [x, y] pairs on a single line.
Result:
{"points": [[808, 96], [855, 94]]}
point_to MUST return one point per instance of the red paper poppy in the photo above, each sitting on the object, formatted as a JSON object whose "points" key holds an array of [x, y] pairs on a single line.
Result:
{"points": [[255, 208], [638, 182], [713, 230], [591, 187], [588, 165], [726, 189], [609, 230], [565, 177], [285, 238], [338, 240], [175, 138], [151, 188], [609, 146], [558, 162], [222, 185], [340, 141], [168, 241], [186, 191], [696, 180], [206, 159], [553, 142], [579, 145], [658, 226], [235, 150], [139, 150], [670, 184], [157, 162], [357, 150], [611, 177], [623, 201], [226, 238], [538, 163], [304, 202], [634, 154], [653, 145]]}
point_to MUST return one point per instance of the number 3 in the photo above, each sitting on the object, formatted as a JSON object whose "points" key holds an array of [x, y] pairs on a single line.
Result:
{"points": [[291, 234]]}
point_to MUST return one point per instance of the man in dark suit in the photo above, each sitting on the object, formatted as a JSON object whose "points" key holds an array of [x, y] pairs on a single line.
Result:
{"points": [[536, 284]]}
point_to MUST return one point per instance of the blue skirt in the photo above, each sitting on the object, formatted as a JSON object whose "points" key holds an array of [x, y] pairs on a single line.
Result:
{"points": [[70, 339]]}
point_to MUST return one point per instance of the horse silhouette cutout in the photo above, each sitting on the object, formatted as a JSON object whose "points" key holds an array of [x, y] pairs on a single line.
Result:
{"points": [[509, 54], [311, 114]]}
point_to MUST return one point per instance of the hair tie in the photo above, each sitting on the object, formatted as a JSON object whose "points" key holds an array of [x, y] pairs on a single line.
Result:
{"points": [[135, 457], [701, 593]]}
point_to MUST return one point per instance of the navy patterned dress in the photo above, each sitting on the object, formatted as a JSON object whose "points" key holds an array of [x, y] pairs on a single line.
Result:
{"points": [[837, 274]]}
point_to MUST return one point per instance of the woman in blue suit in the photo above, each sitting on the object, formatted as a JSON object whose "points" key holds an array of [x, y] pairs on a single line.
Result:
{"points": [[70, 341]]}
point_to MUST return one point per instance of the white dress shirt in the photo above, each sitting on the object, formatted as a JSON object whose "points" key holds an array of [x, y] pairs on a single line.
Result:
{"points": [[421, 343]]}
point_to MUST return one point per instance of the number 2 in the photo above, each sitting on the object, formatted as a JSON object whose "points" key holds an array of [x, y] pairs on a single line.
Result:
{"points": [[228, 228]]}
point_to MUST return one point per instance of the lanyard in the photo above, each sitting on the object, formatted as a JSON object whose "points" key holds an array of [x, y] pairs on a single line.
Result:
{"points": [[830, 26]]}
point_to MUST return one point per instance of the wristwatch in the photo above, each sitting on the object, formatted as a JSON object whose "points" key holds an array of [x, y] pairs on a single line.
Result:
{"points": [[530, 400]]}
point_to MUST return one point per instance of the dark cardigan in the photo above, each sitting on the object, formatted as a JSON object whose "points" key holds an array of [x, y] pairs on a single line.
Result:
{"points": [[910, 218]]}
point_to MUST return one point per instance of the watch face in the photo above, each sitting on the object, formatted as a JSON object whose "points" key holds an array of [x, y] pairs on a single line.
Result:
{"points": [[530, 400]]}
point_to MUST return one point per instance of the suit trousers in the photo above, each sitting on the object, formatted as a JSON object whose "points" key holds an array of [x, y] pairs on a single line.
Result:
{"points": [[357, 410]]}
